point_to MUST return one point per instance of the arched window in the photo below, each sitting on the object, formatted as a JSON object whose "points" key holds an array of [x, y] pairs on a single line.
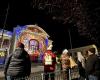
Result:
{"points": [[33, 45], [6, 43]]}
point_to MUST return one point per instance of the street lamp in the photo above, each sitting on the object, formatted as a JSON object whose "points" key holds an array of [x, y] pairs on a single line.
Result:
{"points": [[70, 38], [68, 21]]}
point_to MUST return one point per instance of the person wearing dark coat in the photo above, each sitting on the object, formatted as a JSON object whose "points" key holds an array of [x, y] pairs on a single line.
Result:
{"points": [[93, 65], [81, 65], [18, 64]]}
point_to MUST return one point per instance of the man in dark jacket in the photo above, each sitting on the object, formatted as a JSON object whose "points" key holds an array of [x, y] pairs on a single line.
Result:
{"points": [[18, 64], [93, 65]]}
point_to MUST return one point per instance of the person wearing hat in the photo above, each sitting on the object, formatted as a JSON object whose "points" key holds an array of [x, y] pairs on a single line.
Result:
{"points": [[15, 65], [65, 64]]}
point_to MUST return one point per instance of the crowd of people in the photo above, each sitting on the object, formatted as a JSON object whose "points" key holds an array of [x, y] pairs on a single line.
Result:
{"points": [[89, 65], [18, 64]]}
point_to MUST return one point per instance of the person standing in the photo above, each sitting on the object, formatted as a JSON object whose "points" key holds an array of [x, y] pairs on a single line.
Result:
{"points": [[65, 64], [49, 61], [92, 65], [18, 64], [81, 65]]}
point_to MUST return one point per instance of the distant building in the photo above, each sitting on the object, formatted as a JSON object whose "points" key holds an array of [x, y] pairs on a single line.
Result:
{"points": [[7, 35], [35, 39], [5, 40]]}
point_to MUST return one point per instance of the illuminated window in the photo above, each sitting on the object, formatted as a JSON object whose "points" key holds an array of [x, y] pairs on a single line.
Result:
{"points": [[33, 45]]}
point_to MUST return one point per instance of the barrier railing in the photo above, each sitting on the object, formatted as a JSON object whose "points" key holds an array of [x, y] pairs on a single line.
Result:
{"points": [[58, 75]]}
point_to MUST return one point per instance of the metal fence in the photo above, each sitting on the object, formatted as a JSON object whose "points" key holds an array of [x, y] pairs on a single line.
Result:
{"points": [[58, 75]]}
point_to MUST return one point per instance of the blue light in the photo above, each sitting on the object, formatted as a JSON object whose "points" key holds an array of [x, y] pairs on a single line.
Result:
{"points": [[19, 29], [9, 33], [6, 32], [24, 27], [46, 41]]}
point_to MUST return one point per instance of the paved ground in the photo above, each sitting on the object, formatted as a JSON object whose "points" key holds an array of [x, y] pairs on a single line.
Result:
{"points": [[35, 68], [36, 72]]}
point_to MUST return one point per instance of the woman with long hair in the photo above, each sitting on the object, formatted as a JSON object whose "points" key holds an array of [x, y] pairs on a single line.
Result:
{"points": [[65, 64]]}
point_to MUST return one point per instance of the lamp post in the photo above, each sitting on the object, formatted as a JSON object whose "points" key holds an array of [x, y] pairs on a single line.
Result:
{"points": [[68, 22], [70, 38]]}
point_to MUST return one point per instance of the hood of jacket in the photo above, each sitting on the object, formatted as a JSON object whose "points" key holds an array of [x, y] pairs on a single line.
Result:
{"points": [[19, 53]]}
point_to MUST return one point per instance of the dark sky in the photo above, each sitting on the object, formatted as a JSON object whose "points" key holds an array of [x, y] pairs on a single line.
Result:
{"points": [[21, 12]]}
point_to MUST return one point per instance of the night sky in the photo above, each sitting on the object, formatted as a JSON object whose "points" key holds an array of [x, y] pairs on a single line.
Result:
{"points": [[21, 12]]}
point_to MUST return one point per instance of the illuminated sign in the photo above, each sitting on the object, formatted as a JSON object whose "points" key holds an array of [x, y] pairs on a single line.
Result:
{"points": [[2, 56]]}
